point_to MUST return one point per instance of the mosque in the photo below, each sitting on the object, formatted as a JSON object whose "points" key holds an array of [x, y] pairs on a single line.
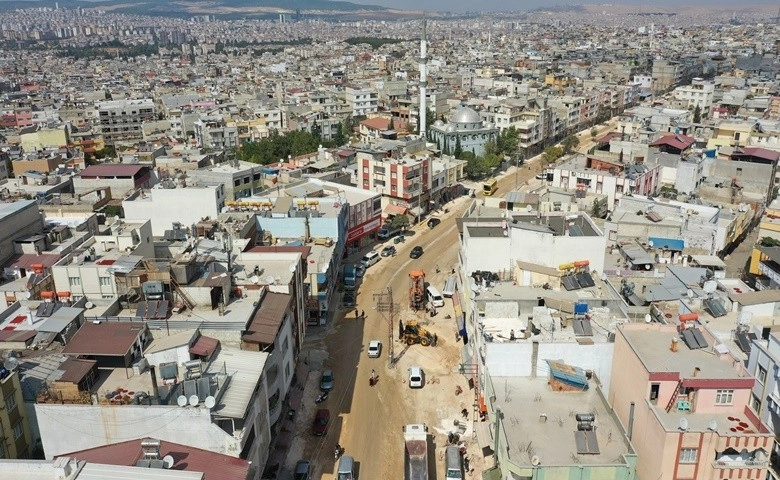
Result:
{"points": [[466, 125]]}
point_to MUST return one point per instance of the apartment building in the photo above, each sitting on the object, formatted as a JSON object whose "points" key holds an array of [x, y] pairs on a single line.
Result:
{"points": [[17, 441], [688, 401], [764, 363], [404, 182], [37, 137], [121, 178], [17, 220], [215, 132], [361, 101], [240, 179], [699, 93], [666, 75], [172, 202], [121, 120]]}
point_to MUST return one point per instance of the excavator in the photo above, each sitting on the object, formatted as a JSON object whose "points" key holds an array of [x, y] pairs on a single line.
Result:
{"points": [[415, 333]]}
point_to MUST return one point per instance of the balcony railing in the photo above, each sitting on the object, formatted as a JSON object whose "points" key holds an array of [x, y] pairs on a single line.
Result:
{"points": [[740, 464]]}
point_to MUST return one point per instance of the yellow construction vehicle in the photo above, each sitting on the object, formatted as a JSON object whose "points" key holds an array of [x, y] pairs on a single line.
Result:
{"points": [[415, 333], [416, 290]]}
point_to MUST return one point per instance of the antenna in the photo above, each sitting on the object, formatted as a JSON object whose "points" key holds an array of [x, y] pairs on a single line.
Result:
{"points": [[194, 400], [181, 400], [684, 424], [210, 402], [167, 462]]}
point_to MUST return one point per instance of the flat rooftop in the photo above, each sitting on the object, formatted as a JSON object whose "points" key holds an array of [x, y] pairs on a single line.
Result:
{"points": [[524, 401]]}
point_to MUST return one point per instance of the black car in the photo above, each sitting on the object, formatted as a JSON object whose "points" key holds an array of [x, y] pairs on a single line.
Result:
{"points": [[348, 300], [416, 252], [433, 222]]}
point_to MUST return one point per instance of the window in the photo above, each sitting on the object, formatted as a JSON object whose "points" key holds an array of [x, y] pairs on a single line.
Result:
{"points": [[755, 402], [285, 345], [761, 374], [74, 281], [105, 281], [10, 403], [655, 388], [18, 430], [688, 455], [739, 171], [724, 397]]}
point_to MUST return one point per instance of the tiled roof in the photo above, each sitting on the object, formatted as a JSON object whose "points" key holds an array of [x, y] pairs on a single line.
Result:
{"points": [[759, 152], [268, 318], [214, 466], [111, 170], [105, 338], [680, 142]]}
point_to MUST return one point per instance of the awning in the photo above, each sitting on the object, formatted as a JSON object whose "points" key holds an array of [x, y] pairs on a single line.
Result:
{"points": [[416, 211], [204, 346], [395, 210]]}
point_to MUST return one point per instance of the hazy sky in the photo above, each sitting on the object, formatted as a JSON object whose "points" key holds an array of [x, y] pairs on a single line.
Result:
{"points": [[504, 5]]}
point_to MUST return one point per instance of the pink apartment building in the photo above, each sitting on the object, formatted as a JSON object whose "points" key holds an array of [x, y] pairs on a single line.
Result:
{"points": [[685, 399]]}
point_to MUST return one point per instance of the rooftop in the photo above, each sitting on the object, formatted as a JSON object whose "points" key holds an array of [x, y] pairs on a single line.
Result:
{"points": [[245, 369], [105, 338], [541, 422]]}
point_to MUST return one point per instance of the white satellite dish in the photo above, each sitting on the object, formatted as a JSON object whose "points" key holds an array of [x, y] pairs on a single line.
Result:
{"points": [[210, 402], [713, 425], [11, 363], [648, 318], [535, 460], [89, 305], [181, 400], [684, 424], [254, 279], [167, 462], [269, 279], [194, 401], [710, 286], [27, 294], [689, 293], [650, 244], [292, 267]]}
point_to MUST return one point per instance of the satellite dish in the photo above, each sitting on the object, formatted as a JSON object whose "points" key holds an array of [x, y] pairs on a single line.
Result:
{"points": [[181, 400], [269, 279], [648, 318], [710, 286], [292, 267], [689, 293], [713, 425], [535, 461], [684, 424], [210, 402], [650, 243], [254, 279], [11, 363], [194, 400], [89, 305], [27, 294], [167, 462]]}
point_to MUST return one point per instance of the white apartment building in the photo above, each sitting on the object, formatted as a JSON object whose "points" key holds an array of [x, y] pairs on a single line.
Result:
{"points": [[169, 202], [699, 93], [362, 101], [214, 131], [121, 120]]}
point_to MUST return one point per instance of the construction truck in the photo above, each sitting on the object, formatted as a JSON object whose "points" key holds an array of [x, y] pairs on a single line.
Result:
{"points": [[417, 290], [416, 451], [415, 333]]}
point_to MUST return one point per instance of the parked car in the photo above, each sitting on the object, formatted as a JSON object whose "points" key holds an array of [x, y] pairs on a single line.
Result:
{"points": [[374, 348], [388, 251], [321, 419], [360, 269], [302, 470], [416, 252], [432, 222], [348, 299], [541, 176], [326, 382], [416, 377]]}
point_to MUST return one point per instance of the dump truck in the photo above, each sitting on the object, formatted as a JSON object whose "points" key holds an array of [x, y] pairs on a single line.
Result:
{"points": [[414, 333], [350, 276], [416, 290], [416, 451]]}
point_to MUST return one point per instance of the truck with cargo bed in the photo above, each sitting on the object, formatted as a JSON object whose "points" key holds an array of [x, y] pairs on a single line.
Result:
{"points": [[416, 451]]}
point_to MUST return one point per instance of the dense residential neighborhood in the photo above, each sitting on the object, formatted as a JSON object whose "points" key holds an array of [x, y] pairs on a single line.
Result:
{"points": [[550, 240]]}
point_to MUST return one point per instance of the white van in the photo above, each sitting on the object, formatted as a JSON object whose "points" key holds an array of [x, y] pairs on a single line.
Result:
{"points": [[435, 297], [453, 464], [450, 286], [370, 258]]}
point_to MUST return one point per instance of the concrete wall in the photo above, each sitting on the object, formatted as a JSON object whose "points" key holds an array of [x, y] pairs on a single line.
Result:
{"points": [[67, 428], [119, 186], [515, 359], [27, 220]]}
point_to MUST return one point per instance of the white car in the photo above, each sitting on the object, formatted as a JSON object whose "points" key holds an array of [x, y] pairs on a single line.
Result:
{"points": [[374, 348], [416, 377]]}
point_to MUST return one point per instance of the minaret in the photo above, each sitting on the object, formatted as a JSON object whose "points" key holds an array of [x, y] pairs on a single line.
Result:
{"points": [[423, 81]]}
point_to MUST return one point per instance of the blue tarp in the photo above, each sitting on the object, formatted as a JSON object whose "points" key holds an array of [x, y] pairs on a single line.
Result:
{"points": [[676, 244]]}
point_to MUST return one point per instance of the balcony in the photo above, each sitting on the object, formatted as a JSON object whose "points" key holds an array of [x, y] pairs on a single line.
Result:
{"points": [[740, 464]]}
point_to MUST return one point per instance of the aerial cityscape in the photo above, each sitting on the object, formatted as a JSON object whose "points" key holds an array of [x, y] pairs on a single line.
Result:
{"points": [[376, 240]]}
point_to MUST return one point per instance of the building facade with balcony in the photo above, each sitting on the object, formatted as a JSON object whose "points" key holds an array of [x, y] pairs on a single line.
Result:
{"points": [[688, 400], [121, 120], [362, 101], [15, 433], [764, 364], [403, 182]]}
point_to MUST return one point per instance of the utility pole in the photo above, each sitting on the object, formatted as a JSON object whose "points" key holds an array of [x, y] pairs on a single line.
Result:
{"points": [[384, 304]]}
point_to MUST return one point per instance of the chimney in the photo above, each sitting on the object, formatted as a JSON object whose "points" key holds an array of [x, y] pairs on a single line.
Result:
{"points": [[673, 348], [155, 392]]}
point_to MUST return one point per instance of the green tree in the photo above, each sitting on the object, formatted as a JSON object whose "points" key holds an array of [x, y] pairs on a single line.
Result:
{"points": [[458, 149], [551, 154], [570, 143], [476, 167], [400, 221], [593, 133], [338, 138], [390, 125], [769, 242], [510, 140], [697, 114]]}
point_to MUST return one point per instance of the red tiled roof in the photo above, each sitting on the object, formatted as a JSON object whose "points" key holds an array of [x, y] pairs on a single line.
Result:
{"points": [[214, 466], [759, 152], [17, 335], [266, 322], [608, 137], [27, 260], [105, 338], [680, 142], [204, 346], [376, 123], [395, 210], [111, 170], [75, 369], [305, 251]]}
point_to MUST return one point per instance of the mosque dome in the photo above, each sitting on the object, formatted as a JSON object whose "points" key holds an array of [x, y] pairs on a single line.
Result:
{"points": [[465, 115], [438, 123], [450, 128]]}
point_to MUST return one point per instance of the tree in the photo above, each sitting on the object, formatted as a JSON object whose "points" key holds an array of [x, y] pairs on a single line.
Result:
{"points": [[570, 143], [458, 149], [391, 126], [697, 114], [338, 138], [509, 141], [594, 132], [400, 222], [769, 242], [551, 154]]}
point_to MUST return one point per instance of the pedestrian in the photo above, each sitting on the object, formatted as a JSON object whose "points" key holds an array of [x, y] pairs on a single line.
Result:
{"points": [[356, 313], [435, 339], [363, 314]]}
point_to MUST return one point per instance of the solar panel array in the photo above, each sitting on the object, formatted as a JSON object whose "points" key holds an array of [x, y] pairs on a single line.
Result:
{"points": [[154, 309], [745, 340], [587, 443], [715, 307], [577, 281], [582, 327], [694, 339], [45, 309]]}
